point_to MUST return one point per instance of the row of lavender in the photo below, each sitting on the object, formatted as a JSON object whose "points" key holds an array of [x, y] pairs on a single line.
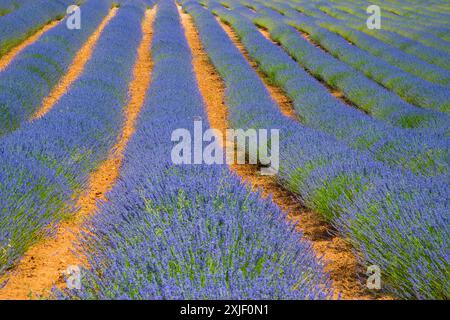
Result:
{"points": [[40, 66], [317, 108], [30, 17], [428, 18], [188, 232], [326, 13], [354, 13], [46, 163], [437, 72], [414, 90], [403, 60], [362, 91], [397, 220], [400, 13]]}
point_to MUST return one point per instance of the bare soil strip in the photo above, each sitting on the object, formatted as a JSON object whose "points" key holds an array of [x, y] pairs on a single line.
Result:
{"points": [[75, 69], [342, 265], [6, 59], [44, 264], [338, 94]]}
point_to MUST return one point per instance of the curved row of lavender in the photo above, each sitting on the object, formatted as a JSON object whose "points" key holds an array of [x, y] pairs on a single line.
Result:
{"points": [[397, 220], [188, 231], [349, 12], [414, 150], [362, 91], [410, 88], [399, 14], [378, 48], [45, 164], [427, 53], [19, 24], [40, 66]]}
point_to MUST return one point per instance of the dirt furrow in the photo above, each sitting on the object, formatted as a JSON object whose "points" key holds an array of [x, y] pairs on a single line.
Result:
{"points": [[44, 264], [341, 263], [75, 69], [6, 59]]}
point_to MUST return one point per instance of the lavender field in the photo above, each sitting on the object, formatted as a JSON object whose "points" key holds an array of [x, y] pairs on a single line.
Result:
{"points": [[224, 149]]}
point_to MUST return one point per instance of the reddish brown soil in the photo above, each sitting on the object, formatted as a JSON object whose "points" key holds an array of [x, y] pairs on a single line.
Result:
{"points": [[75, 69], [6, 59], [341, 263], [45, 263]]}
